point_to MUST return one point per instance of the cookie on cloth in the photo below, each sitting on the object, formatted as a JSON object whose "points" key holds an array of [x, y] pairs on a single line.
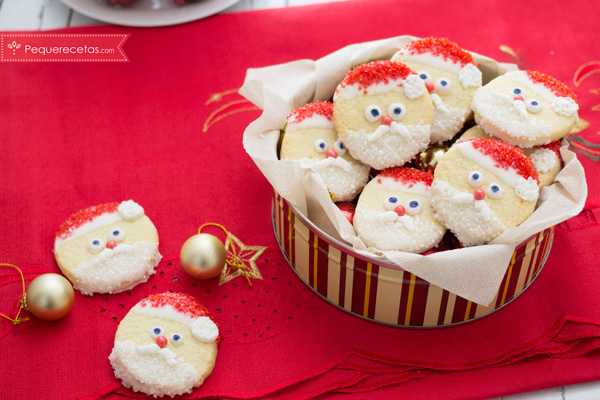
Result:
{"points": [[393, 212], [526, 108], [165, 346], [546, 159], [382, 113], [310, 137], [107, 248], [451, 77], [482, 187]]}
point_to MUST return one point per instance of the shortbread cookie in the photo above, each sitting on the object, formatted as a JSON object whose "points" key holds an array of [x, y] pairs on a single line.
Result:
{"points": [[383, 113], [310, 137], [107, 248], [482, 187], [451, 77], [393, 212], [526, 108], [546, 159], [165, 346]]}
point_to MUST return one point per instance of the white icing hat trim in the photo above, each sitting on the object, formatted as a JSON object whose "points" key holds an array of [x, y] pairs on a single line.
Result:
{"points": [[428, 59], [419, 188], [130, 210], [316, 121], [201, 329]]}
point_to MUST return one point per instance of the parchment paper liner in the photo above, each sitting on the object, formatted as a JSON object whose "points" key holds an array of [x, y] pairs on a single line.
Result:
{"points": [[474, 273]]}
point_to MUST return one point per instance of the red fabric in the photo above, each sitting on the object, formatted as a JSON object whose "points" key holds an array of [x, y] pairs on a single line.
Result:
{"points": [[76, 134]]}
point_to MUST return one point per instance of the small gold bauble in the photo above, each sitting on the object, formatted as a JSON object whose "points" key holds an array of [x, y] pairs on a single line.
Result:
{"points": [[203, 256], [50, 297], [429, 158]]}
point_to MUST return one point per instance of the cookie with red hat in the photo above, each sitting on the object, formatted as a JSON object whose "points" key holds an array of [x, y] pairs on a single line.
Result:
{"points": [[107, 248], [393, 212], [482, 187], [165, 346], [526, 108], [451, 77], [310, 137], [383, 113]]}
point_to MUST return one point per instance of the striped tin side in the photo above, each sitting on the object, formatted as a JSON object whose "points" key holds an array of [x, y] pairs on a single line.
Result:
{"points": [[381, 291]]}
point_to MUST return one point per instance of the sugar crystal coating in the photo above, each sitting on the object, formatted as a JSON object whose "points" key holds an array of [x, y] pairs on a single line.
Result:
{"points": [[506, 156], [83, 216], [375, 72], [408, 176], [322, 108], [553, 84]]}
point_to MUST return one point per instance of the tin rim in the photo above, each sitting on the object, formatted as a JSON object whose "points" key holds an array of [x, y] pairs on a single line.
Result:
{"points": [[384, 263]]}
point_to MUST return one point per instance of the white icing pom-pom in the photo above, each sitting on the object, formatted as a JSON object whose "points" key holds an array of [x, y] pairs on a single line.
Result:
{"points": [[527, 189], [414, 86], [204, 329], [130, 210], [565, 106], [544, 160], [470, 76]]}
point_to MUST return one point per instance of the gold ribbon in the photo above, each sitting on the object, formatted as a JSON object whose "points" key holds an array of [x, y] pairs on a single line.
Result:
{"points": [[236, 263], [22, 302]]}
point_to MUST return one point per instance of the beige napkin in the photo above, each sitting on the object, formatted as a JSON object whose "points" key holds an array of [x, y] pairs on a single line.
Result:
{"points": [[474, 273]]}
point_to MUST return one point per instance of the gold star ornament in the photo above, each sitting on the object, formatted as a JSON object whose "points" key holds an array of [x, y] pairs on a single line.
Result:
{"points": [[242, 260]]}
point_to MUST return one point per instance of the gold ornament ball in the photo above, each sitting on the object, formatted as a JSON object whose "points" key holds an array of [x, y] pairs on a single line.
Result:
{"points": [[203, 256], [50, 297]]}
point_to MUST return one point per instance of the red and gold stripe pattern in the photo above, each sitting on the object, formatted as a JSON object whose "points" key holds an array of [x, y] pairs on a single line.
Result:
{"points": [[385, 293]]}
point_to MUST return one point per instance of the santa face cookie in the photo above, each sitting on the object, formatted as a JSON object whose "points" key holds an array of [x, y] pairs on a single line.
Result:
{"points": [[451, 77], [393, 212], [482, 187], [107, 248], [165, 345], [383, 113], [310, 137], [526, 108]]}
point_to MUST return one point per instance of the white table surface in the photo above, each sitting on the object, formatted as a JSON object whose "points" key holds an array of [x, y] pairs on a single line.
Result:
{"points": [[52, 14]]}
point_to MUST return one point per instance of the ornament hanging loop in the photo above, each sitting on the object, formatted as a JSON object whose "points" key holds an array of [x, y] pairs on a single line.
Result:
{"points": [[235, 263], [22, 302]]}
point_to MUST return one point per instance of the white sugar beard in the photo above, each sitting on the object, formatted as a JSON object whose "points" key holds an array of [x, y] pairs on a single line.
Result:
{"points": [[499, 118], [389, 149], [386, 234], [344, 179], [447, 121], [151, 373], [469, 221], [119, 272]]}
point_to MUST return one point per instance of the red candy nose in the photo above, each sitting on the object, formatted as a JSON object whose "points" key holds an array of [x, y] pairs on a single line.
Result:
{"points": [[331, 153], [430, 86], [161, 341], [386, 120], [479, 194], [518, 97], [400, 211], [111, 244]]}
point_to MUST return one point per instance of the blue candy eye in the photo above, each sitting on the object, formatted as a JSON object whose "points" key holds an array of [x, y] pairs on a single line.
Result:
{"points": [[156, 332], [320, 145], [414, 207], [118, 235], [517, 91], [176, 339], [475, 178], [373, 113], [397, 111], [533, 106], [391, 203], [442, 86], [95, 246], [494, 191], [425, 76]]}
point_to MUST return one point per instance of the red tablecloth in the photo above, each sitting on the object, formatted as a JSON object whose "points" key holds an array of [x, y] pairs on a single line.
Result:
{"points": [[165, 130]]}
